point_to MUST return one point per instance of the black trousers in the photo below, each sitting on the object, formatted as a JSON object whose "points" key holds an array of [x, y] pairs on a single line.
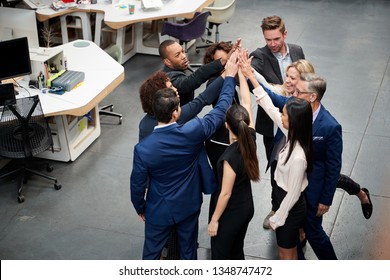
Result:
{"points": [[347, 184]]}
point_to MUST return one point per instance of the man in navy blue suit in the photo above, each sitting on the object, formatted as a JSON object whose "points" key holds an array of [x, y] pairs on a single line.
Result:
{"points": [[168, 162], [327, 151]]}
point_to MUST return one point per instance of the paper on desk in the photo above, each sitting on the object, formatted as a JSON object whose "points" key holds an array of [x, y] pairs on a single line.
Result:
{"points": [[151, 4]]}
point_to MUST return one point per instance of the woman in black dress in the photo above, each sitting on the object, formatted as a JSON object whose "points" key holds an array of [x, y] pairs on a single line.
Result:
{"points": [[232, 208]]}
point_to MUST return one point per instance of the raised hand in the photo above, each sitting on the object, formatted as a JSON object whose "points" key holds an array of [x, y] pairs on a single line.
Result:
{"points": [[231, 67], [245, 63]]}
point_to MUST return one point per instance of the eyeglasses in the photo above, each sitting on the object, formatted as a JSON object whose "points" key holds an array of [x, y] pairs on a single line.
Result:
{"points": [[303, 92]]}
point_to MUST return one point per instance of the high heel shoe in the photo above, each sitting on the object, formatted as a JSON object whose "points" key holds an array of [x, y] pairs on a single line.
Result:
{"points": [[367, 208]]}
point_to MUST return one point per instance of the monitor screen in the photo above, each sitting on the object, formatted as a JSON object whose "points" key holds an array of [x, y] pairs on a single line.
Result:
{"points": [[17, 23], [14, 58]]}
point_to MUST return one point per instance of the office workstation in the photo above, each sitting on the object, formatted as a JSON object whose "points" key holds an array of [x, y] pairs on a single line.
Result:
{"points": [[74, 115], [115, 14]]}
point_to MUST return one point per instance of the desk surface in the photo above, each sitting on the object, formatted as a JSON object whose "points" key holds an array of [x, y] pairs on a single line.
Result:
{"points": [[102, 75], [116, 17]]}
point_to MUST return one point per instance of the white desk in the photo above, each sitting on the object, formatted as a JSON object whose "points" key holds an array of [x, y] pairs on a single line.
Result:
{"points": [[118, 19], [72, 135]]}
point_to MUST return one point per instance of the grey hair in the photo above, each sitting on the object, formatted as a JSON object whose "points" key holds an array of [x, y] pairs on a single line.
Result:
{"points": [[316, 84]]}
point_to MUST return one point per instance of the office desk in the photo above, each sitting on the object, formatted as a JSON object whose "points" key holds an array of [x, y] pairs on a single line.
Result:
{"points": [[73, 132], [119, 19]]}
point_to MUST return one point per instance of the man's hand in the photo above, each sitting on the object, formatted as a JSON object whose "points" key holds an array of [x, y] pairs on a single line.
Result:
{"points": [[322, 209]]}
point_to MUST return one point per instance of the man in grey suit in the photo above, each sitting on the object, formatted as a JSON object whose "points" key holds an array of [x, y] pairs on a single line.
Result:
{"points": [[271, 62], [168, 162]]}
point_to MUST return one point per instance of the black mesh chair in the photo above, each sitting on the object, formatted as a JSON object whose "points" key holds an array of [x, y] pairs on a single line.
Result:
{"points": [[24, 133]]}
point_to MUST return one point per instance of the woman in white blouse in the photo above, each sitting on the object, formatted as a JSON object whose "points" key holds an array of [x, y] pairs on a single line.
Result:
{"points": [[295, 159]]}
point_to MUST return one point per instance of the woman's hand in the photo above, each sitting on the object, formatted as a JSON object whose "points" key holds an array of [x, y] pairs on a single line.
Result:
{"points": [[231, 67], [245, 63], [213, 228]]}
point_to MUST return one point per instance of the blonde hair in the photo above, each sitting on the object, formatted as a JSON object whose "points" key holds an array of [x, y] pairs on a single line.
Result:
{"points": [[303, 66]]}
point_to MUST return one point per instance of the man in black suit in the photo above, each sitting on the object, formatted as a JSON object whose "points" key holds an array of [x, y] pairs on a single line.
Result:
{"points": [[183, 78], [271, 61]]}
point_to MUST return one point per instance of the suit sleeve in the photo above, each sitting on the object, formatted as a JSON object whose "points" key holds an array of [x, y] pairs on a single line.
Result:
{"points": [[138, 183], [215, 118], [187, 84], [334, 150], [194, 107]]}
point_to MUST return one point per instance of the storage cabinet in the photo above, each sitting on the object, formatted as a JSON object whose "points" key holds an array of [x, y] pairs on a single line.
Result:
{"points": [[72, 135]]}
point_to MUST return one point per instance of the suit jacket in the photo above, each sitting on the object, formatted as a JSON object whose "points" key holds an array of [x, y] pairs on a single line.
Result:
{"points": [[168, 161], [188, 111], [327, 152], [187, 81], [267, 65]]}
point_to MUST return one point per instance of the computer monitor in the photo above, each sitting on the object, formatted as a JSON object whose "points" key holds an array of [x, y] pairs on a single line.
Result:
{"points": [[17, 23], [14, 58]]}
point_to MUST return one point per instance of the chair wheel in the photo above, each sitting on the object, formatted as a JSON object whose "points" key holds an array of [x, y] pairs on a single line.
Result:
{"points": [[20, 198], [112, 108], [49, 168], [120, 120], [197, 51], [57, 186]]}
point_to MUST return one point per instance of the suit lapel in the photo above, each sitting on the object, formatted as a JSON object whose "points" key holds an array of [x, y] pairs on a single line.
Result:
{"points": [[317, 123], [293, 53], [274, 65]]}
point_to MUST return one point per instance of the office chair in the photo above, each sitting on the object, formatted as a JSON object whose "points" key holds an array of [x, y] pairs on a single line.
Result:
{"points": [[115, 52], [24, 133], [221, 11], [186, 32]]}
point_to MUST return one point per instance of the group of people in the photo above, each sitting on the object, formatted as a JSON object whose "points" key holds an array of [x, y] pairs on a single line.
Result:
{"points": [[180, 156]]}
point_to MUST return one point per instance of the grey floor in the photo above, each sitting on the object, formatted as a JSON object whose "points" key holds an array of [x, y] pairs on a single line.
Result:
{"points": [[91, 217]]}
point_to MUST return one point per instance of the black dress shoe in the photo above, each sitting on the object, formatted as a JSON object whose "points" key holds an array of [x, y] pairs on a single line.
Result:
{"points": [[367, 207]]}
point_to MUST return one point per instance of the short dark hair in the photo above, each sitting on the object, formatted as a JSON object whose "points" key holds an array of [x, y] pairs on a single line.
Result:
{"points": [[165, 103], [162, 49], [272, 23], [149, 88], [211, 50]]}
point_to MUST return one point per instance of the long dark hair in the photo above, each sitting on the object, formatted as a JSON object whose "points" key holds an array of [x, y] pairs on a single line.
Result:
{"points": [[237, 117], [300, 118]]}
